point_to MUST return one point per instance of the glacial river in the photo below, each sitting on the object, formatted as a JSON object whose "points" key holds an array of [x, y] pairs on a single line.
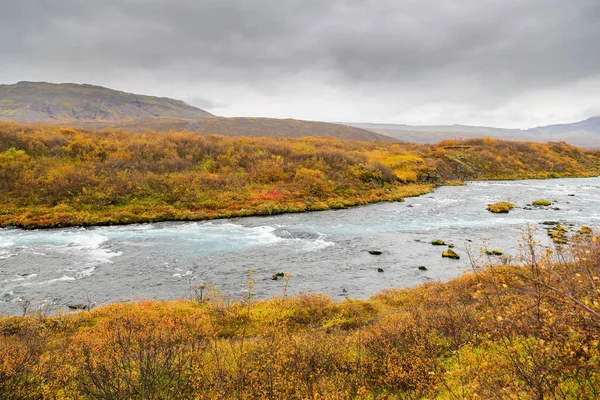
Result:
{"points": [[323, 251]]}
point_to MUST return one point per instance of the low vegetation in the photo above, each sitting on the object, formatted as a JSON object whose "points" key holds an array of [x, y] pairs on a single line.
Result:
{"points": [[530, 330], [502, 207], [54, 177], [450, 254], [542, 203]]}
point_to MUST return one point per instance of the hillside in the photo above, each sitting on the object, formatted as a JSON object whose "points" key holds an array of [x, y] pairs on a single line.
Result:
{"points": [[584, 133], [270, 127], [51, 177], [70, 103], [94, 107], [244, 126], [589, 126]]}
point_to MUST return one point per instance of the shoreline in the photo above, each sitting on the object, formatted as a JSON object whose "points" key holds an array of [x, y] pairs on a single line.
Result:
{"points": [[129, 218], [126, 217]]}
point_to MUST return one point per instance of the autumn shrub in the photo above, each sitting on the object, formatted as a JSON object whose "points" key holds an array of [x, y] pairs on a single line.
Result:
{"points": [[187, 176]]}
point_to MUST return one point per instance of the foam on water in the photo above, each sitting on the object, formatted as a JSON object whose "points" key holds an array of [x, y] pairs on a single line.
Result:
{"points": [[63, 278], [316, 245]]}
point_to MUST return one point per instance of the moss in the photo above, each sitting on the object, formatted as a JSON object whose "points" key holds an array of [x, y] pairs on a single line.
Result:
{"points": [[585, 230], [450, 254], [541, 203], [558, 235], [502, 207]]}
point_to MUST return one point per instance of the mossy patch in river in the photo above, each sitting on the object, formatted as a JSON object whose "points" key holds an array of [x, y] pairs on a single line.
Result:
{"points": [[541, 203], [502, 207], [450, 254]]}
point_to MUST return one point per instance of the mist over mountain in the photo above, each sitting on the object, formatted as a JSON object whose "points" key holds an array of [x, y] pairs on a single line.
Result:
{"points": [[583, 133]]}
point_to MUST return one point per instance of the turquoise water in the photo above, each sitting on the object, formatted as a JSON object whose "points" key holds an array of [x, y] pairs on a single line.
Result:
{"points": [[323, 251]]}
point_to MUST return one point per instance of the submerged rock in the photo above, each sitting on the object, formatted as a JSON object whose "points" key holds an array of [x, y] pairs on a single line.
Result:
{"points": [[77, 307], [277, 276]]}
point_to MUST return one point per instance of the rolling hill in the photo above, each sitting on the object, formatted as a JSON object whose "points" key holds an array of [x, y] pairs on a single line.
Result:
{"points": [[583, 133], [95, 107], [67, 103]]}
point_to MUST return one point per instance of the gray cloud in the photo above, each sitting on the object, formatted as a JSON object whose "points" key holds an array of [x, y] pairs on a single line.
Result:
{"points": [[397, 60]]}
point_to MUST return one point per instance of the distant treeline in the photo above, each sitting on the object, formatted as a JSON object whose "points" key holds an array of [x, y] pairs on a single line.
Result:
{"points": [[51, 177]]}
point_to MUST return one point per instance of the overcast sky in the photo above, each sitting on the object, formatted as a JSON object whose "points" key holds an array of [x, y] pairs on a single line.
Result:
{"points": [[509, 63]]}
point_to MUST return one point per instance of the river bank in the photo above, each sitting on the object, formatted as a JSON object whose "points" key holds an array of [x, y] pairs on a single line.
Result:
{"points": [[58, 177], [325, 251]]}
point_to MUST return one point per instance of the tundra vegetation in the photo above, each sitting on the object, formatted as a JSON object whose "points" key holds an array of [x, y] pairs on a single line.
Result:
{"points": [[55, 177], [502, 207], [529, 330], [542, 203]]}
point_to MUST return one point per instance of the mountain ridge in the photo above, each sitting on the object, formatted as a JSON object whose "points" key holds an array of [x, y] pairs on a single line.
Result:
{"points": [[39, 102], [97, 107], [584, 133]]}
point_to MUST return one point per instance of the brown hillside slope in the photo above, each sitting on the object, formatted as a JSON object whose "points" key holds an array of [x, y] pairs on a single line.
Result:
{"points": [[242, 126], [270, 127], [70, 103]]}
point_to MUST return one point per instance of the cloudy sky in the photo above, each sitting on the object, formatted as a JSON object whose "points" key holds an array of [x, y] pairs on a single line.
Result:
{"points": [[509, 63]]}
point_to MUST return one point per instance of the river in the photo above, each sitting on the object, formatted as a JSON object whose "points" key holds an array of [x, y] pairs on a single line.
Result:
{"points": [[324, 251]]}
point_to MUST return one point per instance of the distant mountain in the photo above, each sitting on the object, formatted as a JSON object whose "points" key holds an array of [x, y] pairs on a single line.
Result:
{"points": [[67, 103], [96, 107], [590, 125], [584, 133]]}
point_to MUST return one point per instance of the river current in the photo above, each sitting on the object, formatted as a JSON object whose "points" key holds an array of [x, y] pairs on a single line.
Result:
{"points": [[326, 251]]}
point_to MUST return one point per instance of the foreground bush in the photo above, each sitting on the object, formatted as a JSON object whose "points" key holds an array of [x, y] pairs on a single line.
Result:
{"points": [[526, 331]]}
